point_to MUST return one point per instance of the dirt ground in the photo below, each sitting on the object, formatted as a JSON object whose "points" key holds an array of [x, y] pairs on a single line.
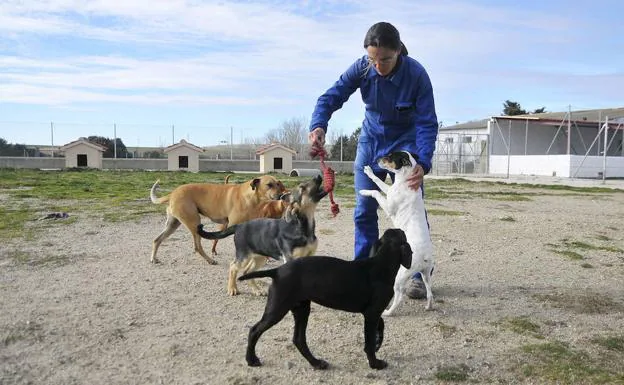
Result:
{"points": [[82, 304]]}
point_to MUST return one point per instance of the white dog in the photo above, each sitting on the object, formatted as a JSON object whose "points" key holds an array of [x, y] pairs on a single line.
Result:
{"points": [[406, 209]]}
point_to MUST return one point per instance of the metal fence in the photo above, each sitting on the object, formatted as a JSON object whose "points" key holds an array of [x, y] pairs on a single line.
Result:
{"points": [[461, 154]]}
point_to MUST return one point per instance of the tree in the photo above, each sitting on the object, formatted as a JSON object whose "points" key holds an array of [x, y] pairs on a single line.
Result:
{"points": [[349, 146], [153, 154], [539, 110], [122, 151], [8, 149], [291, 133], [512, 108]]}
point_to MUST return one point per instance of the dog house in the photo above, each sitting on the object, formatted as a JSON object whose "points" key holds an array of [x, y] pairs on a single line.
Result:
{"points": [[276, 157], [82, 153], [183, 156]]}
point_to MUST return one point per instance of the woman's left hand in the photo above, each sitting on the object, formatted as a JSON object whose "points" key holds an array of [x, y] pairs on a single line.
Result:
{"points": [[416, 178]]}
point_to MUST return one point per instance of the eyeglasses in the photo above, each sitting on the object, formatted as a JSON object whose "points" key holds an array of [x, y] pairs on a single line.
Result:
{"points": [[382, 61]]}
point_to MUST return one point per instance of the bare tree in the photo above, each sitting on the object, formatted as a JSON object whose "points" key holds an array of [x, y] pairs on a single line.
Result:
{"points": [[292, 133]]}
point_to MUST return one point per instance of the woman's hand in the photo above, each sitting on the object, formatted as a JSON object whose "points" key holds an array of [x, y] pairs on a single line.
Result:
{"points": [[414, 181], [316, 137]]}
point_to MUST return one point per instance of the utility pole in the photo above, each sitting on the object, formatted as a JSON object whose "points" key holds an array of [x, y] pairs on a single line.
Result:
{"points": [[52, 137], [172, 134], [115, 138], [231, 143]]}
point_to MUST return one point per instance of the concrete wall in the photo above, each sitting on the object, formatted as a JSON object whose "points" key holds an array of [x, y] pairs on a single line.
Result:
{"points": [[205, 165], [36, 163]]}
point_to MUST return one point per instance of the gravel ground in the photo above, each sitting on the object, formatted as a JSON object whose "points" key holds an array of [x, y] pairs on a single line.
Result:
{"points": [[81, 303]]}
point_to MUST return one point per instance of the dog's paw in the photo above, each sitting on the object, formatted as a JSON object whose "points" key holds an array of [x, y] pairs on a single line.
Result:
{"points": [[232, 291], [368, 171], [386, 313], [378, 364], [253, 361], [211, 261], [321, 365], [366, 193]]}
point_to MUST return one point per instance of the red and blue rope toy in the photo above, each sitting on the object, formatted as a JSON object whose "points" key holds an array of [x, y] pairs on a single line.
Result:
{"points": [[329, 175]]}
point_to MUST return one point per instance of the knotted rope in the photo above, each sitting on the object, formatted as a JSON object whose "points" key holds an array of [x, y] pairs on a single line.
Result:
{"points": [[329, 175]]}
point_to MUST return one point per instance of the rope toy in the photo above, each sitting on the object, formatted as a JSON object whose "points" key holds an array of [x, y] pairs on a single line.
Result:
{"points": [[329, 175]]}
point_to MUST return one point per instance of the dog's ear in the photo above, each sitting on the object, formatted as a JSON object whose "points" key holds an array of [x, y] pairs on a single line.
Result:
{"points": [[291, 211], [374, 248], [255, 183]]}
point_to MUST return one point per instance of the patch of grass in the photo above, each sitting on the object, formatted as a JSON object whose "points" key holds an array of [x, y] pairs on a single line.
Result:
{"points": [[24, 258], [557, 362], [614, 343], [521, 325], [455, 373], [507, 219], [444, 212], [326, 231], [582, 302], [22, 331], [446, 330], [587, 265], [13, 219], [602, 237], [573, 255], [588, 246]]}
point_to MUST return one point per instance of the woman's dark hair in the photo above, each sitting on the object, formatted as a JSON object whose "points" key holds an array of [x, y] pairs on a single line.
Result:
{"points": [[384, 35]]}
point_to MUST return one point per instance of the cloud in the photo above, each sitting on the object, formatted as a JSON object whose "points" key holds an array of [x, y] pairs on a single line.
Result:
{"points": [[72, 52]]}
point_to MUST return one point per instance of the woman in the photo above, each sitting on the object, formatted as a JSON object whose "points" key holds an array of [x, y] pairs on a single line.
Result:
{"points": [[400, 115]]}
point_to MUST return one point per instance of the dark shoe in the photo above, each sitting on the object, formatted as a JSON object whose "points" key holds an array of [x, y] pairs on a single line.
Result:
{"points": [[416, 289]]}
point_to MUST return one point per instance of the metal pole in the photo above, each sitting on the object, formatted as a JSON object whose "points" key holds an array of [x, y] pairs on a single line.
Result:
{"points": [[172, 134], [341, 146], [231, 143], [115, 138], [604, 155], [526, 136], [569, 127], [52, 137], [509, 149]]}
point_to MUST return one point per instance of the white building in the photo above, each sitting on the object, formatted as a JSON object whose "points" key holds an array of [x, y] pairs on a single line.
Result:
{"points": [[574, 144], [183, 156], [82, 153], [276, 157]]}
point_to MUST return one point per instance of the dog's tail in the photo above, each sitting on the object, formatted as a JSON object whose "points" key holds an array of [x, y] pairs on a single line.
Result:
{"points": [[227, 178], [215, 234], [153, 196], [271, 273]]}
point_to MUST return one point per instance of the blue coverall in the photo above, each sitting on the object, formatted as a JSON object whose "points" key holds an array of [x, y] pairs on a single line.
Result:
{"points": [[400, 115]]}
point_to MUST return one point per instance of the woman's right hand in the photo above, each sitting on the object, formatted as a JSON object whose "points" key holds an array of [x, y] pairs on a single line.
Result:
{"points": [[316, 137]]}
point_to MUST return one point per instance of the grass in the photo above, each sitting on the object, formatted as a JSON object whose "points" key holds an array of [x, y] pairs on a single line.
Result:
{"points": [[568, 248], [581, 302], [453, 373], [520, 325], [123, 195], [613, 343], [444, 212], [22, 331], [446, 330], [557, 362], [508, 219]]}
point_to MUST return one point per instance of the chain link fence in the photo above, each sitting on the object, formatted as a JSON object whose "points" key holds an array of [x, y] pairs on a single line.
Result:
{"points": [[461, 154]]}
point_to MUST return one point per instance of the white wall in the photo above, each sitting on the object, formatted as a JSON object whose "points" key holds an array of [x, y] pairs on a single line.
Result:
{"points": [[557, 165]]}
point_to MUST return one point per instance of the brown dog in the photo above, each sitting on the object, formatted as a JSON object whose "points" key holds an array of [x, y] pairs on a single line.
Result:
{"points": [[265, 209], [224, 204]]}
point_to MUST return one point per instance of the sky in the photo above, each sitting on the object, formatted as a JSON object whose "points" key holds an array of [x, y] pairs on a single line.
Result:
{"points": [[152, 72]]}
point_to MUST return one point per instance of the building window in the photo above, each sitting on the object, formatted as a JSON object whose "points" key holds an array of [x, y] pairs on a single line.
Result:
{"points": [[467, 139], [82, 160], [277, 163], [183, 161]]}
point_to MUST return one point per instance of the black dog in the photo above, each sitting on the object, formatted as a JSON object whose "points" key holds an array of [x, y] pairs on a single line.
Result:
{"points": [[362, 286], [291, 236]]}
